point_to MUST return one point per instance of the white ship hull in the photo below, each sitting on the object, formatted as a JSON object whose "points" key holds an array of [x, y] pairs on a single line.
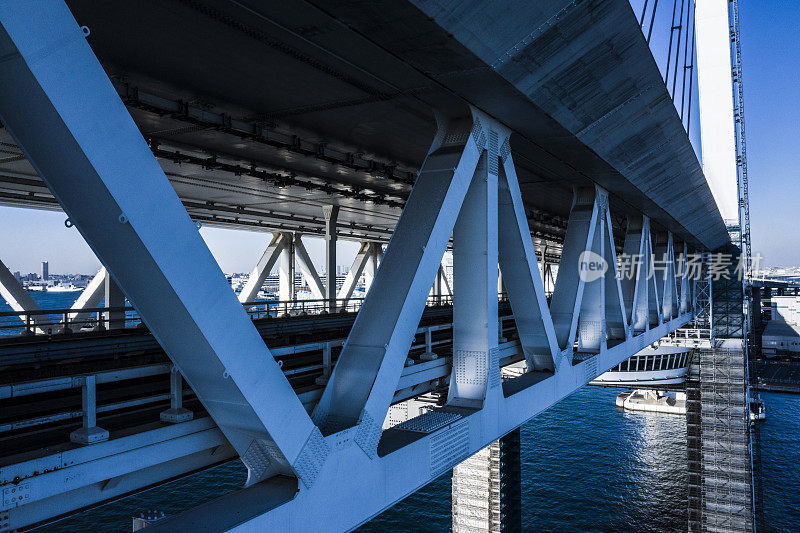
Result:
{"points": [[651, 367]]}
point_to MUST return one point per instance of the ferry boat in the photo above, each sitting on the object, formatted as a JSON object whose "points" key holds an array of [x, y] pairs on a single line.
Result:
{"points": [[63, 288], [654, 366]]}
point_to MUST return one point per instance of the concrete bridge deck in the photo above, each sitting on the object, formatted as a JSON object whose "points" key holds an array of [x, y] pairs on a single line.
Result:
{"points": [[260, 112]]}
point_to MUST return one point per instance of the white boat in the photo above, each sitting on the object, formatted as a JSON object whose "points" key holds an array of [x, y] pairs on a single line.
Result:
{"points": [[757, 409], [651, 367], [63, 288], [653, 401]]}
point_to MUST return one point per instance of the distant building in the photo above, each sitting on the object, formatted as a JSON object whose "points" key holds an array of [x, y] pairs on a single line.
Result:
{"points": [[18, 276], [45, 271], [782, 334]]}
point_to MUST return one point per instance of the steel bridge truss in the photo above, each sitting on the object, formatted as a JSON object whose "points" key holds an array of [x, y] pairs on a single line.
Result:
{"points": [[336, 465]]}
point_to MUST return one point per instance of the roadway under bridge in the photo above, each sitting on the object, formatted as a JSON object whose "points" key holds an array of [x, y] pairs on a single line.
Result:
{"points": [[515, 135]]}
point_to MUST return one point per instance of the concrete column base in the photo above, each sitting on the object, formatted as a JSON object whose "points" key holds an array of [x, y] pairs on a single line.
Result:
{"points": [[87, 436]]}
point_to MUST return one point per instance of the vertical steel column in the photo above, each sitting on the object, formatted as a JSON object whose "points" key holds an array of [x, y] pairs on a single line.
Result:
{"points": [[114, 301], [287, 270], [89, 433], [331, 213], [475, 274], [177, 412]]}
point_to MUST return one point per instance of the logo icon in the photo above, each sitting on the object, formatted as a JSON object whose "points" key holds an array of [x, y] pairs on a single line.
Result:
{"points": [[591, 267]]}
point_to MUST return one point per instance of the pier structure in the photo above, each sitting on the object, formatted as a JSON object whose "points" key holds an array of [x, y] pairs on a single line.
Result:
{"points": [[523, 138]]}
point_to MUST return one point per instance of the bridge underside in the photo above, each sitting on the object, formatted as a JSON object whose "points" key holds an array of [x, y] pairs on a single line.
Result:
{"points": [[435, 126], [261, 112]]}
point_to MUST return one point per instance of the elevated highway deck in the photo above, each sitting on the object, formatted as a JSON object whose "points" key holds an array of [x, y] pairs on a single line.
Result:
{"points": [[260, 112]]}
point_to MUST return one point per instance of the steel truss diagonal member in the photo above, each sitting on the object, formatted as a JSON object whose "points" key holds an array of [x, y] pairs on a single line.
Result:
{"points": [[91, 297], [635, 272], [653, 296], [521, 275], [18, 298], [664, 262], [61, 108], [616, 321], [365, 254], [686, 297], [376, 257], [307, 268], [365, 377], [264, 267], [566, 304], [444, 285]]}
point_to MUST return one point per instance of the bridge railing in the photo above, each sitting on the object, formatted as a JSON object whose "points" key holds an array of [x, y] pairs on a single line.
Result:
{"points": [[54, 321], [691, 334], [318, 360], [61, 321]]}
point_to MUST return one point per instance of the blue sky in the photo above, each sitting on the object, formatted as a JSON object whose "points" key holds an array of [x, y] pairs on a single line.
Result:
{"points": [[772, 104], [772, 110]]}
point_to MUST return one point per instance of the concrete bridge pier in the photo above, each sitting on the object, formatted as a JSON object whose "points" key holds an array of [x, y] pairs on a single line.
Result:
{"points": [[487, 490]]}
